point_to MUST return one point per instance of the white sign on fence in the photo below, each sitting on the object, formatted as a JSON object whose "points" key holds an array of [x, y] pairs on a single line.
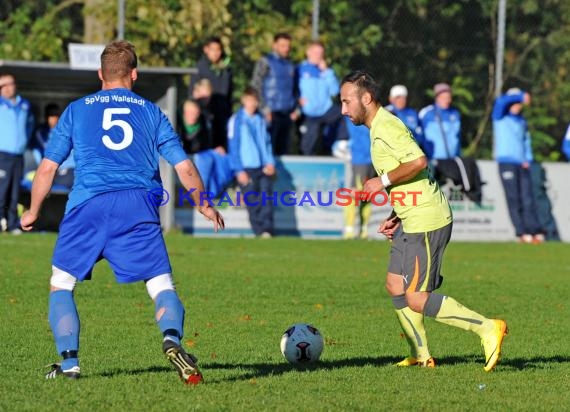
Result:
{"points": [[488, 221], [85, 56]]}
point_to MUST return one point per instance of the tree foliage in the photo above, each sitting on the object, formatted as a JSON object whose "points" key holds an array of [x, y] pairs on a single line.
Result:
{"points": [[38, 30], [414, 42]]}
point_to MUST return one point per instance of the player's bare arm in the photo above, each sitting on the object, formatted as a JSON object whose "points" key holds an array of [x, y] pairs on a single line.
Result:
{"points": [[190, 178], [403, 173], [40, 189]]}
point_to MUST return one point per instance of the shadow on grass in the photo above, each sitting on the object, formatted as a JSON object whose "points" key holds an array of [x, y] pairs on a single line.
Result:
{"points": [[508, 363], [123, 371], [261, 370], [538, 362], [258, 370], [249, 371]]}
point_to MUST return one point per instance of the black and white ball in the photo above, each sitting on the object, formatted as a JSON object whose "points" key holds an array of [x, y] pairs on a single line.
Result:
{"points": [[302, 343]]}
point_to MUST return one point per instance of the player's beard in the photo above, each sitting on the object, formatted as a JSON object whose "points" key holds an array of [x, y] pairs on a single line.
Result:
{"points": [[360, 117]]}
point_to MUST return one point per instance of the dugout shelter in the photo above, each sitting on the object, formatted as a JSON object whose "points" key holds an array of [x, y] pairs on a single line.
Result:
{"points": [[46, 82]]}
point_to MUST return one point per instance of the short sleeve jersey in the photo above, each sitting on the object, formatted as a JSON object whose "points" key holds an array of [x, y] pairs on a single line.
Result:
{"points": [[117, 139], [419, 203]]}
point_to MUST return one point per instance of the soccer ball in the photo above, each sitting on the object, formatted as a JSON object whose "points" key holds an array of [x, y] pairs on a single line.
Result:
{"points": [[341, 150], [302, 343]]}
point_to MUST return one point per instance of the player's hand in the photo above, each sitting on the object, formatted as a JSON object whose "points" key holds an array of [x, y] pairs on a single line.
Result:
{"points": [[243, 178], [212, 214], [527, 99], [373, 185], [389, 226], [27, 221], [269, 170], [220, 150]]}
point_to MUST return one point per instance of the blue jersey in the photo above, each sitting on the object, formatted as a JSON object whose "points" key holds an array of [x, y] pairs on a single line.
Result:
{"points": [[359, 143], [317, 87], [17, 125], [215, 170], [117, 137], [442, 132], [410, 118], [249, 142], [512, 141]]}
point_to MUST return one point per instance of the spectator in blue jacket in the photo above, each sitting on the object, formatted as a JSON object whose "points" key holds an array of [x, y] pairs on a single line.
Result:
{"points": [[16, 127], [318, 86], [252, 162], [566, 144], [274, 80], [399, 107], [513, 153], [441, 125], [215, 169]]}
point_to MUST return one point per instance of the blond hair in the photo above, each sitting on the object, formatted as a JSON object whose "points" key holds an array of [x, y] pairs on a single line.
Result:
{"points": [[118, 60]]}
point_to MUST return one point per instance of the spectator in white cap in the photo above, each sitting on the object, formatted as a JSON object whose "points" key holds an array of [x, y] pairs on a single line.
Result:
{"points": [[399, 107], [441, 124]]}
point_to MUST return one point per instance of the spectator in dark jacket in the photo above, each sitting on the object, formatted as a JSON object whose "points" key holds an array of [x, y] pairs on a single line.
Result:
{"points": [[274, 79], [194, 133], [39, 139], [214, 65]]}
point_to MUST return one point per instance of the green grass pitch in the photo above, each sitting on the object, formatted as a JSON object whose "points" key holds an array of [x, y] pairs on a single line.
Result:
{"points": [[241, 295]]}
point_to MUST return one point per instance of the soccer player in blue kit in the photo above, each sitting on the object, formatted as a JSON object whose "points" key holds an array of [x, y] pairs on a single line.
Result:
{"points": [[117, 137]]}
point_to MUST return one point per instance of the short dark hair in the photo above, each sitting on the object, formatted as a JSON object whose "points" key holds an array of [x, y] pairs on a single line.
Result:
{"points": [[6, 74], [250, 91], [117, 60], [52, 109], [214, 39], [364, 82], [281, 35]]}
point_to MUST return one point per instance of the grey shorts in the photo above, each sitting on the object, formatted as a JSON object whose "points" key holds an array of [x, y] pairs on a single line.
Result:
{"points": [[360, 174], [418, 258]]}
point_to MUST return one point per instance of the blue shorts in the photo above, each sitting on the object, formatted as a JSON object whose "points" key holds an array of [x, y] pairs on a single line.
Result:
{"points": [[122, 227]]}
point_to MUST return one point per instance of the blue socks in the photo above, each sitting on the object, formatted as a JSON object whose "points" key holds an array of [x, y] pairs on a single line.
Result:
{"points": [[64, 322], [170, 315]]}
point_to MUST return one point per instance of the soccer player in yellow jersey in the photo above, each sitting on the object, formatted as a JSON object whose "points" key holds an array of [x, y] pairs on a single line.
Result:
{"points": [[419, 226]]}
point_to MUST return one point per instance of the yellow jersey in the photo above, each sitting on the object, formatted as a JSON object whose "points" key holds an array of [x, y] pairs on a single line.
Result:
{"points": [[419, 202]]}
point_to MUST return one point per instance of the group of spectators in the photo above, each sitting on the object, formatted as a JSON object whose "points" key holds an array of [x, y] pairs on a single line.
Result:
{"points": [[241, 145], [437, 129], [288, 94]]}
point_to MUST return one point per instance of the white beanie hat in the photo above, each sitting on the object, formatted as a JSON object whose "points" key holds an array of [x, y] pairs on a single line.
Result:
{"points": [[398, 90]]}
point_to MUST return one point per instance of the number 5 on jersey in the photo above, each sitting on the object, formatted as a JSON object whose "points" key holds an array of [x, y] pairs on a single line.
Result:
{"points": [[108, 122]]}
